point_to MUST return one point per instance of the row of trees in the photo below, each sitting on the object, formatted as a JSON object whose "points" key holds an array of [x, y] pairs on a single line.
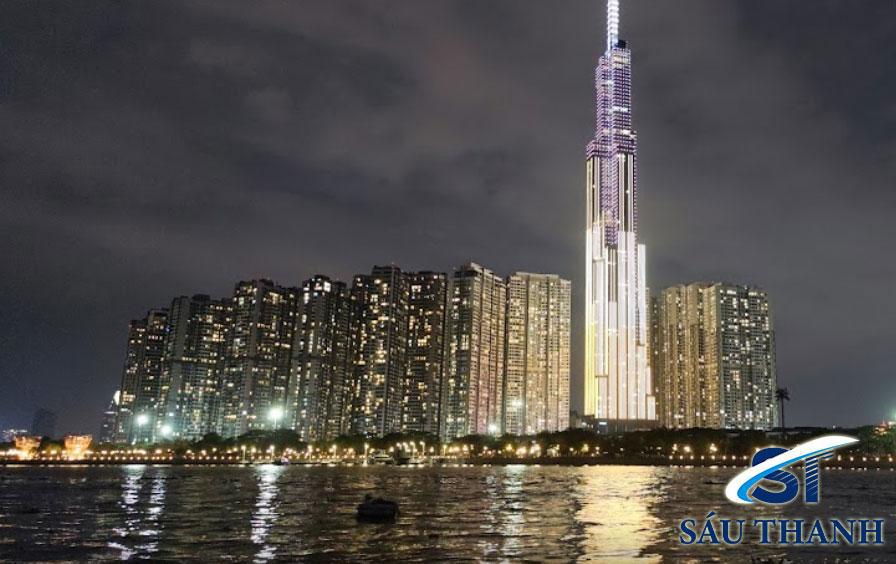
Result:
{"points": [[572, 442]]}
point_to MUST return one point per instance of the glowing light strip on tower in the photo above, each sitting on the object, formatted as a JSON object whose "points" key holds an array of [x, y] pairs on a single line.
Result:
{"points": [[612, 23]]}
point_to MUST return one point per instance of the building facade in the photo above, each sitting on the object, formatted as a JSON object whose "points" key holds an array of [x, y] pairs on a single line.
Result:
{"points": [[715, 357], [321, 388], [141, 399], [472, 396], [192, 366], [380, 350], [536, 381], [618, 386], [109, 422], [257, 356], [427, 297]]}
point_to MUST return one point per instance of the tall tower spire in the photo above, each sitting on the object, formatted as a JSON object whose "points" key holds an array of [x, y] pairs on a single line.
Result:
{"points": [[612, 23], [618, 386]]}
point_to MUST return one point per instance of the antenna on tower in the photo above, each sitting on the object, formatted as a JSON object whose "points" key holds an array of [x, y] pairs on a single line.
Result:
{"points": [[612, 23]]}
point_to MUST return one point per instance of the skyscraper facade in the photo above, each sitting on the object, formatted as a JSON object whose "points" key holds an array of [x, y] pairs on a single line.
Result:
{"points": [[536, 381], [473, 386], [109, 422], [192, 366], [427, 296], [321, 388], [685, 339], [715, 351], [380, 350], [257, 355], [618, 386], [141, 380]]}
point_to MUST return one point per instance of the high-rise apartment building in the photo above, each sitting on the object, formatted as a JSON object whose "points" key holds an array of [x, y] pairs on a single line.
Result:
{"points": [[380, 350], [472, 396], [321, 388], [192, 366], [427, 295], [44, 423], [618, 387], [257, 354], [412, 352], [141, 381], [715, 357], [536, 382]]}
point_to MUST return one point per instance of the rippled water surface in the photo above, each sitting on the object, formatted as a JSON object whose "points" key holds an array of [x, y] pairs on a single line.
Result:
{"points": [[274, 513]]}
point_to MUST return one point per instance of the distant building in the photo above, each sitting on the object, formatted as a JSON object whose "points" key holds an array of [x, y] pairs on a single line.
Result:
{"points": [[141, 382], [192, 366], [9, 435], [715, 357], [257, 354], [321, 387], [380, 350], [109, 422], [474, 381], [44, 423], [427, 295], [536, 382]]}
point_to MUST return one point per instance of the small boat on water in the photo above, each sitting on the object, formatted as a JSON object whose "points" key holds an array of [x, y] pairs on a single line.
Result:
{"points": [[377, 510], [380, 457]]}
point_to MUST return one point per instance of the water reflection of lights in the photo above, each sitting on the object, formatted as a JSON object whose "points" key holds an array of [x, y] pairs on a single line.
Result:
{"points": [[265, 515], [615, 511], [130, 495], [151, 528], [514, 520], [140, 525]]}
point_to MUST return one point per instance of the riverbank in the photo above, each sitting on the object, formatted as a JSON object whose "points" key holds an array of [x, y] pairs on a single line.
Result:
{"points": [[856, 463]]}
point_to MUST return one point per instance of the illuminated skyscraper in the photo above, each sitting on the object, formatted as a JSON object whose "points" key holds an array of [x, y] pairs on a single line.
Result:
{"points": [[109, 422], [536, 381], [320, 385], [141, 381], [192, 366], [715, 357], [618, 387], [472, 391], [257, 354], [427, 294], [380, 349]]}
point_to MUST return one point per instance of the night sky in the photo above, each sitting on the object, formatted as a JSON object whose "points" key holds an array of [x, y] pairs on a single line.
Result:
{"points": [[152, 149]]}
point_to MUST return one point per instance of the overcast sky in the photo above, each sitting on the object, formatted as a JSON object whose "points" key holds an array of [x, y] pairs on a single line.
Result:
{"points": [[152, 149]]}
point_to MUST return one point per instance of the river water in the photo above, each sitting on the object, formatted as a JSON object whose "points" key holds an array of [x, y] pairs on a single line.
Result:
{"points": [[298, 513]]}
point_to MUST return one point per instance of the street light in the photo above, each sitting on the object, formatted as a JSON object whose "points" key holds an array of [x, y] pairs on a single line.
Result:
{"points": [[275, 415]]}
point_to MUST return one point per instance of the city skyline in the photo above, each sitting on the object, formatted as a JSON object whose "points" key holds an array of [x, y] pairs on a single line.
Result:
{"points": [[396, 351], [222, 162]]}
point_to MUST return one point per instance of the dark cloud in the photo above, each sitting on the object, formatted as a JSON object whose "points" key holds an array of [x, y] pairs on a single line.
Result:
{"points": [[154, 149]]}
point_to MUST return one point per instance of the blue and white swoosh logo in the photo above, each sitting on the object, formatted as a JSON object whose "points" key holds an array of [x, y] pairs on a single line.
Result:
{"points": [[738, 489]]}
